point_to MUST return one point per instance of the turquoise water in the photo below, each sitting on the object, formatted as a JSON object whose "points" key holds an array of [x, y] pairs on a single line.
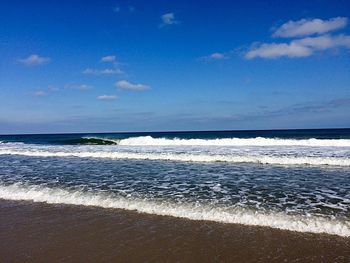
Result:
{"points": [[295, 179]]}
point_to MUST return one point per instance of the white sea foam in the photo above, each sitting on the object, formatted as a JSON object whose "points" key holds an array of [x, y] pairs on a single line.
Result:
{"points": [[258, 141], [190, 211], [184, 157]]}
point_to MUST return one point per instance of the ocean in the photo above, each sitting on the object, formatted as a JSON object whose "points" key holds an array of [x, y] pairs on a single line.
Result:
{"points": [[297, 180]]}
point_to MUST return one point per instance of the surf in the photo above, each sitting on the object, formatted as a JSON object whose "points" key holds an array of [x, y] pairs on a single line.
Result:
{"points": [[186, 157], [258, 141], [279, 220]]}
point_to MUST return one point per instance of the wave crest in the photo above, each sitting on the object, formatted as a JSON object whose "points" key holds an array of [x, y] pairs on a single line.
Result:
{"points": [[91, 141], [258, 141]]}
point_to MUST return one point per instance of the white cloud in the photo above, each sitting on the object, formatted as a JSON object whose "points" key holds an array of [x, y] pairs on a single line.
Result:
{"points": [[124, 84], [107, 97], [325, 42], [168, 19], [81, 87], [34, 59], [103, 72], [298, 48], [110, 58], [114, 70], [306, 27], [275, 50], [215, 56], [40, 93]]}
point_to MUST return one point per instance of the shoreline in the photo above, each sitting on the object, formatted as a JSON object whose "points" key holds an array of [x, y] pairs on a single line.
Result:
{"points": [[241, 217], [33, 232]]}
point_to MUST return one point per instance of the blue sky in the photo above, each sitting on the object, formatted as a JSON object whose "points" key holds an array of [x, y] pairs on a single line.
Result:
{"points": [[95, 66]]}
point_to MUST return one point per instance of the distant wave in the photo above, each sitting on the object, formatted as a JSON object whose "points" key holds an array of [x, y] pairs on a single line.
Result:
{"points": [[151, 141], [190, 211], [262, 159], [258, 141], [90, 141]]}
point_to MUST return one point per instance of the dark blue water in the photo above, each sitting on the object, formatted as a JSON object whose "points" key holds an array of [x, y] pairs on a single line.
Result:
{"points": [[284, 134]]}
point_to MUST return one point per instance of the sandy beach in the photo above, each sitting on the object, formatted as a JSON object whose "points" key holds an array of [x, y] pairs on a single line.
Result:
{"points": [[38, 232]]}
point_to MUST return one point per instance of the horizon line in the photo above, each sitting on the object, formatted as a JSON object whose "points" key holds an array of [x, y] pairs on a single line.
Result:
{"points": [[176, 131]]}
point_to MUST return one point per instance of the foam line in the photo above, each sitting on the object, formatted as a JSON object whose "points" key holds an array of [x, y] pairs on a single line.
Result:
{"points": [[262, 159], [190, 211]]}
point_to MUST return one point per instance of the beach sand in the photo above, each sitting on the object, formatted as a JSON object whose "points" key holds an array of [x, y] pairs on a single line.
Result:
{"points": [[37, 232]]}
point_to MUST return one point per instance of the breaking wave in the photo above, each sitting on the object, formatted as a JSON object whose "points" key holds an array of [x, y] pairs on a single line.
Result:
{"points": [[283, 221], [258, 141], [185, 157], [151, 141]]}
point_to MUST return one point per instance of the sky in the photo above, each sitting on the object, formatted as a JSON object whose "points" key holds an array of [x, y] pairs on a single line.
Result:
{"points": [[109, 66]]}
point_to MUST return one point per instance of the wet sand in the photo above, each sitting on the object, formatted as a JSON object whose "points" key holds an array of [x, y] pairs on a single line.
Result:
{"points": [[36, 232]]}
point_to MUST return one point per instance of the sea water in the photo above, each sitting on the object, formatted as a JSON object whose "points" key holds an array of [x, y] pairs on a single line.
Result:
{"points": [[295, 180]]}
